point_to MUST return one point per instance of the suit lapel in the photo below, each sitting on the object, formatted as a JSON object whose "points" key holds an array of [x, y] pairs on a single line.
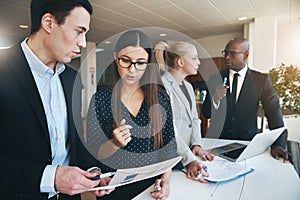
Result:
{"points": [[72, 87], [67, 88], [178, 92], [24, 77], [192, 95], [228, 94]]}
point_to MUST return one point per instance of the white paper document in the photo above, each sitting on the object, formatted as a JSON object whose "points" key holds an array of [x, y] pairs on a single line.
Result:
{"points": [[221, 170], [127, 176]]}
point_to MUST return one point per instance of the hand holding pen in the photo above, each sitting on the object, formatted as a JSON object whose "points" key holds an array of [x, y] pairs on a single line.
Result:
{"points": [[194, 169], [161, 189], [104, 180], [200, 174], [221, 90], [101, 176]]}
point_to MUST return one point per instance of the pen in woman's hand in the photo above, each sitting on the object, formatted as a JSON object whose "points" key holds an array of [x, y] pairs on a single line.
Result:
{"points": [[158, 188], [200, 174]]}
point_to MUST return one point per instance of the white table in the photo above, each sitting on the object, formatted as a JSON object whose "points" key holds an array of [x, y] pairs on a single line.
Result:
{"points": [[272, 179]]}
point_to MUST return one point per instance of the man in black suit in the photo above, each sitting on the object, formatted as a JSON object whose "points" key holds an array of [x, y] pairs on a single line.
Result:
{"points": [[39, 147], [235, 104]]}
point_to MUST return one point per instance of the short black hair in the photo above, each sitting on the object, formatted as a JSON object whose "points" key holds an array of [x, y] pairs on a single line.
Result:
{"points": [[60, 9]]}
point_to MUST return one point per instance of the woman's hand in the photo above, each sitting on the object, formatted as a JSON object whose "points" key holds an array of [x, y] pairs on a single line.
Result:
{"points": [[121, 134], [121, 137], [161, 189], [194, 169], [204, 155]]}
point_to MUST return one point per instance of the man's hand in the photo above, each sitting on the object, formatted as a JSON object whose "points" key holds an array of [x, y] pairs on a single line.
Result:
{"points": [[103, 182], [277, 152], [220, 93], [73, 180]]}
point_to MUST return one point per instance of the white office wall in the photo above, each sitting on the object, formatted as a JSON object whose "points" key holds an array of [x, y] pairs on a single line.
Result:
{"points": [[288, 44], [88, 75], [265, 43], [215, 44]]}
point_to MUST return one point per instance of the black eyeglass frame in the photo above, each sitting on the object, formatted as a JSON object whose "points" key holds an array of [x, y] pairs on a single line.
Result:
{"points": [[232, 53], [133, 63]]}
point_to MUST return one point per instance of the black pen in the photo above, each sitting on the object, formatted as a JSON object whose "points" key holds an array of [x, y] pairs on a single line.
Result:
{"points": [[108, 174]]}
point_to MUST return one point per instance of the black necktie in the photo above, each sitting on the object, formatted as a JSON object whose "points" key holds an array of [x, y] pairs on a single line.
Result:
{"points": [[234, 87]]}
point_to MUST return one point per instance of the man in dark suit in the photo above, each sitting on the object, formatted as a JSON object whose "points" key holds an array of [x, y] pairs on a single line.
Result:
{"points": [[40, 151], [234, 108]]}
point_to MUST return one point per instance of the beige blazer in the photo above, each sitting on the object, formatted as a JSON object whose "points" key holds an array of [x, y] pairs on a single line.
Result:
{"points": [[186, 120]]}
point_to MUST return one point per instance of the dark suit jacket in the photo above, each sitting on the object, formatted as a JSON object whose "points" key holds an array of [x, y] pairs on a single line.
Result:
{"points": [[25, 145], [241, 123]]}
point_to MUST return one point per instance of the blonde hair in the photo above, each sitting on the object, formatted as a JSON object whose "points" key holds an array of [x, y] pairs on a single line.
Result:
{"points": [[159, 53], [166, 55]]}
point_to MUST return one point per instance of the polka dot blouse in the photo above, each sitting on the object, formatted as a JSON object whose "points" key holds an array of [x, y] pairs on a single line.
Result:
{"points": [[139, 151]]}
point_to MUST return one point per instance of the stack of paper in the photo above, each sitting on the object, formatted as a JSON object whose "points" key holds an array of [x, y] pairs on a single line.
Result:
{"points": [[127, 176], [222, 170]]}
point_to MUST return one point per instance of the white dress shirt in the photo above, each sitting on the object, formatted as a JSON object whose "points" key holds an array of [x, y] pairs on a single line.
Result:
{"points": [[241, 78], [53, 99]]}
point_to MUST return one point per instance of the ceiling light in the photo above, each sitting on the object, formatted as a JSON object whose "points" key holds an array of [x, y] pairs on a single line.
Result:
{"points": [[23, 26], [242, 18], [107, 42], [99, 49], [163, 35], [5, 47]]}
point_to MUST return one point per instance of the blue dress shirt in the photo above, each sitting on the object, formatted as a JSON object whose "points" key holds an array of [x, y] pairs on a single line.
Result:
{"points": [[53, 99]]}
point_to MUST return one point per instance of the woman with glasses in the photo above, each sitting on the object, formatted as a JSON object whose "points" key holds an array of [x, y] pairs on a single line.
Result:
{"points": [[130, 122], [181, 60]]}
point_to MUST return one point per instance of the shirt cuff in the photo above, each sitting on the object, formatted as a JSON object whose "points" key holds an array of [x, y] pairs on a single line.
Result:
{"points": [[216, 105], [94, 169], [188, 157], [47, 182]]}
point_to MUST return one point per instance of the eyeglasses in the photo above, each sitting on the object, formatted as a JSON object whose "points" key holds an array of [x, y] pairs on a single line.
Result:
{"points": [[232, 53], [139, 65]]}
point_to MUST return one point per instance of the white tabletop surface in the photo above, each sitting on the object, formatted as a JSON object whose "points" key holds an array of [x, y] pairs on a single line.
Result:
{"points": [[272, 179]]}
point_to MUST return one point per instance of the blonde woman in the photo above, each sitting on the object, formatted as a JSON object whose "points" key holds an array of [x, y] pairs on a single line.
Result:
{"points": [[181, 59]]}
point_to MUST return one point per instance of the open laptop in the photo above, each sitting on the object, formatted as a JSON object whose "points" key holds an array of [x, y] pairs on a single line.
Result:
{"points": [[237, 152]]}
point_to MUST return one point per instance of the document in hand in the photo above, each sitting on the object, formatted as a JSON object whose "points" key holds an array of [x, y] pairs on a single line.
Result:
{"points": [[221, 170], [127, 176]]}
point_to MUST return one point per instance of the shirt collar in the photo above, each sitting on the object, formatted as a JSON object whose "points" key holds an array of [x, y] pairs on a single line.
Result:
{"points": [[242, 72], [36, 64]]}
